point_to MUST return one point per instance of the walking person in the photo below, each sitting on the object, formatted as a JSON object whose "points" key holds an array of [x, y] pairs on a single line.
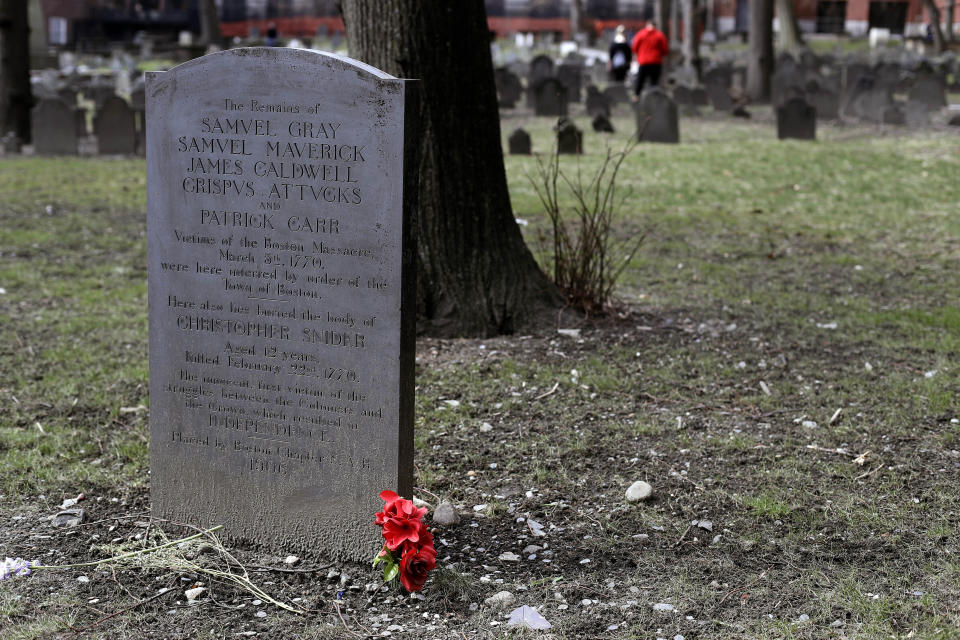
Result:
{"points": [[620, 53], [650, 46]]}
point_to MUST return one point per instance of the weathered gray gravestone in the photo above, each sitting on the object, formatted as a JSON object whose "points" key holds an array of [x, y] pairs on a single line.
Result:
{"points": [[616, 94], [602, 124], [279, 188], [53, 127], [716, 82], [570, 73], [541, 67], [929, 89], [796, 119], [519, 143], [657, 118], [550, 98], [115, 127]]}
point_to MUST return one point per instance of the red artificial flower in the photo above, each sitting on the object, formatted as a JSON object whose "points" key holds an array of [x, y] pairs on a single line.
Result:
{"points": [[416, 562], [401, 520]]}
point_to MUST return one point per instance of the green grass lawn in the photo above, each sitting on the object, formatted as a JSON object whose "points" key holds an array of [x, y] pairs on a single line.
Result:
{"points": [[779, 283]]}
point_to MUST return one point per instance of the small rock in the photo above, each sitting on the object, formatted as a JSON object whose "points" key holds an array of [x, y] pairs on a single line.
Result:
{"points": [[69, 518], [291, 560], [486, 427], [446, 515], [536, 528], [83, 579], [531, 548], [639, 491], [663, 606], [261, 614], [528, 617], [705, 524], [500, 599], [509, 556], [808, 424], [193, 594], [803, 618], [570, 333]]}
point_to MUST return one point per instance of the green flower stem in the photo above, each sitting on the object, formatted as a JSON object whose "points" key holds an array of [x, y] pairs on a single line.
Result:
{"points": [[131, 554]]}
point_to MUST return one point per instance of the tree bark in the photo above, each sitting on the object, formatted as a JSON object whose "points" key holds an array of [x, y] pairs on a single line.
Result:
{"points": [[674, 19], [760, 63], [691, 37], [948, 11], [791, 39], [16, 98], [209, 23], [661, 14], [939, 45], [475, 274]]}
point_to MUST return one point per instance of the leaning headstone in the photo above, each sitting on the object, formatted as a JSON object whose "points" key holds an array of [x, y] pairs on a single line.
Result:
{"points": [[279, 188], [867, 100], [519, 143], [53, 127], [569, 137], [824, 100], [797, 120], [657, 118], [550, 98], [115, 127], [602, 124]]}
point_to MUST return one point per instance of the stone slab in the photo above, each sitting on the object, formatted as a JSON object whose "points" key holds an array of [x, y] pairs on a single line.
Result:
{"points": [[281, 291]]}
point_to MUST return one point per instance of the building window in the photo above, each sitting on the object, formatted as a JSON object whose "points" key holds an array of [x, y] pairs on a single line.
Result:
{"points": [[58, 30]]}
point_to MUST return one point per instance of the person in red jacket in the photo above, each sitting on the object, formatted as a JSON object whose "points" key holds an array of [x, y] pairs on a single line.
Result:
{"points": [[650, 46]]}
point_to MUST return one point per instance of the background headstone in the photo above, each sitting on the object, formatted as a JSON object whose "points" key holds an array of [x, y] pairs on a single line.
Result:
{"points": [[279, 188], [509, 87], [569, 137], [519, 143], [796, 119], [550, 98], [115, 127], [54, 128], [657, 118]]}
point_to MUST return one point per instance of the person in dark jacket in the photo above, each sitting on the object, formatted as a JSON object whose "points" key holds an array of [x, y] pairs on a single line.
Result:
{"points": [[620, 53], [650, 46]]}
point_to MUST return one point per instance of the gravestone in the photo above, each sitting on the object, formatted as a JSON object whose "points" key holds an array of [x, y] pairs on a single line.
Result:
{"points": [[657, 119], [541, 68], [797, 120], [279, 188], [893, 114], [787, 83], [929, 89], [569, 137], [602, 124], [519, 143], [509, 87], [53, 127], [597, 103], [699, 95], [550, 98], [616, 94], [11, 143], [115, 127], [716, 82], [917, 113], [570, 73], [867, 100]]}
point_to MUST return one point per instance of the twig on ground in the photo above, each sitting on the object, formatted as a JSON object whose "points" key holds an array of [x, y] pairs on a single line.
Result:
{"points": [[841, 452], [863, 476], [683, 535], [124, 610], [429, 493], [553, 390], [345, 625], [263, 568]]}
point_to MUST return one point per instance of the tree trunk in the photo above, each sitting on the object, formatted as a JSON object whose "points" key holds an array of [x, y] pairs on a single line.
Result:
{"points": [[575, 13], [934, 14], [791, 39], [475, 275], [760, 62], [948, 11], [674, 19], [691, 37], [661, 14], [209, 23], [16, 98]]}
